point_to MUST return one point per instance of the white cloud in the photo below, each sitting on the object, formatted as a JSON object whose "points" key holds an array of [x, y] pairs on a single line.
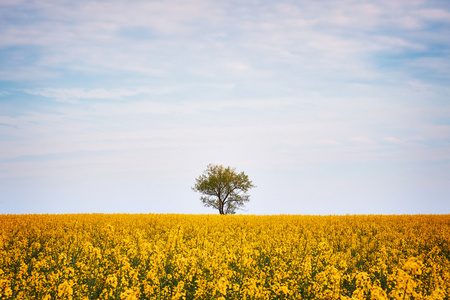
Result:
{"points": [[71, 95], [328, 142], [436, 15], [362, 140], [393, 140], [87, 35], [238, 66]]}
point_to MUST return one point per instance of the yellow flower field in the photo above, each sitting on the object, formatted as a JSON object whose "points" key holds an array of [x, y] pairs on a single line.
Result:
{"points": [[116, 256]]}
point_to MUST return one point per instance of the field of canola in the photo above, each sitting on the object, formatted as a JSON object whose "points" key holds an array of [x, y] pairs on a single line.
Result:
{"points": [[116, 256]]}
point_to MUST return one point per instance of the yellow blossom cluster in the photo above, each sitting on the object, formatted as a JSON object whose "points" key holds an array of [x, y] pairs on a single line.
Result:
{"points": [[151, 256]]}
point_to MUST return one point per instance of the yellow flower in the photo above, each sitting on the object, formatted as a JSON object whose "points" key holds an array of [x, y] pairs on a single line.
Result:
{"points": [[129, 294], [197, 257], [65, 290]]}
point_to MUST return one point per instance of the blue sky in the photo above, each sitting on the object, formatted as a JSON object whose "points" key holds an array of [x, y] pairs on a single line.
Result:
{"points": [[330, 107]]}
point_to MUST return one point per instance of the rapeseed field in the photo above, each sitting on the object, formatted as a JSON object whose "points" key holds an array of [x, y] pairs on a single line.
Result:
{"points": [[150, 256]]}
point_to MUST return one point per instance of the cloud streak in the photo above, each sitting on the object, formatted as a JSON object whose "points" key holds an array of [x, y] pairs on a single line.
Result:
{"points": [[339, 39]]}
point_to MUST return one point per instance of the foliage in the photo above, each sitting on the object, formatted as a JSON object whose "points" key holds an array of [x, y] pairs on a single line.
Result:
{"points": [[224, 189], [233, 257]]}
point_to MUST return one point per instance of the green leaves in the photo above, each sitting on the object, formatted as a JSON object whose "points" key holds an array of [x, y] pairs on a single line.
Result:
{"points": [[224, 189]]}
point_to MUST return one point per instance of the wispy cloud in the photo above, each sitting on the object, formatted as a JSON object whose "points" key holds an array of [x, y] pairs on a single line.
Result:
{"points": [[8, 125], [92, 37], [362, 140], [71, 95]]}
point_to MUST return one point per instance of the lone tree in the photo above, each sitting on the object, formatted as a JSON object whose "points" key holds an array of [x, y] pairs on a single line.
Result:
{"points": [[224, 189]]}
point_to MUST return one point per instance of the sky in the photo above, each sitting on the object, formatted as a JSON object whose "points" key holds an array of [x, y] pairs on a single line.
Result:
{"points": [[330, 107]]}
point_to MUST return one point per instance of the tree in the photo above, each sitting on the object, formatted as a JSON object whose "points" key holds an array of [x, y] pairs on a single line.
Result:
{"points": [[224, 189]]}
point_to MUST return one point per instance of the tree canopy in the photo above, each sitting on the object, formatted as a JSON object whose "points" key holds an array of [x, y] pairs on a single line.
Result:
{"points": [[223, 188]]}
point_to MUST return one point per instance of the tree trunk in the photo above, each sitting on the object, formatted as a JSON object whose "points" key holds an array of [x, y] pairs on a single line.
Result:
{"points": [[221, 207]]}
